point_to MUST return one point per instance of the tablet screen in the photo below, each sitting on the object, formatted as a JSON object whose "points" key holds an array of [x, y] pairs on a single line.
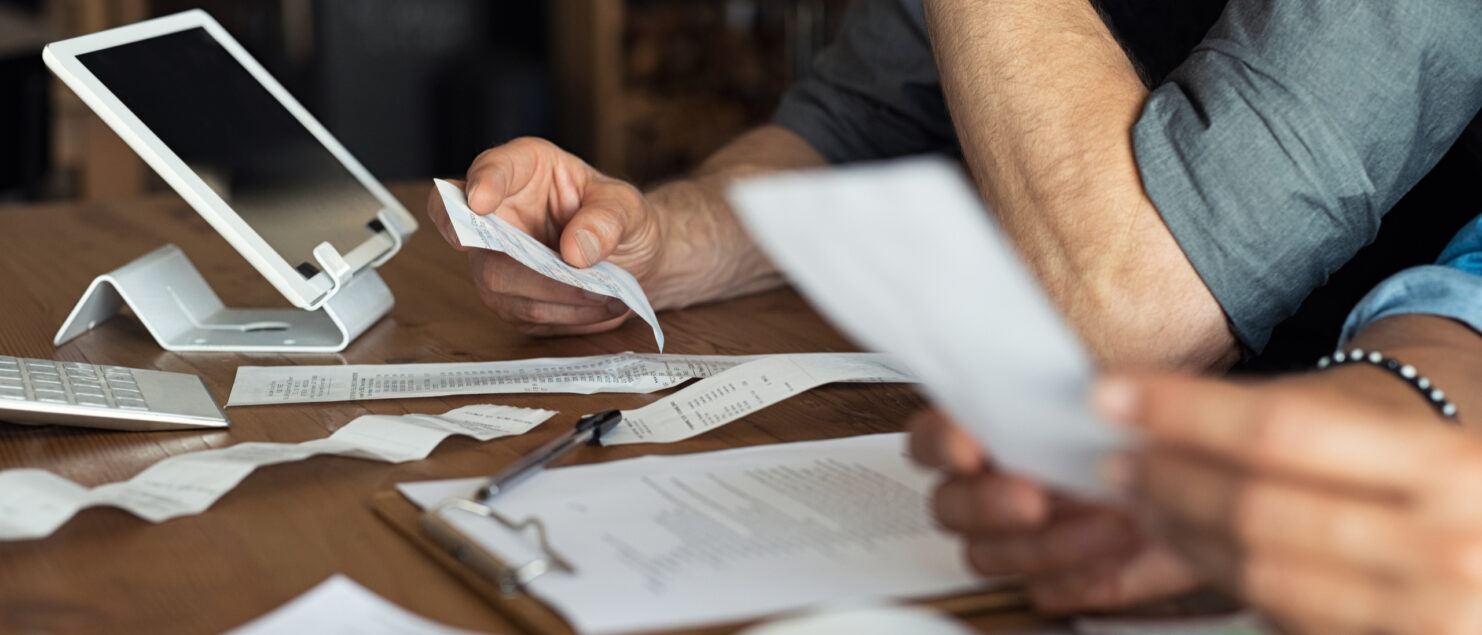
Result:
{"points": [[212, 113]]}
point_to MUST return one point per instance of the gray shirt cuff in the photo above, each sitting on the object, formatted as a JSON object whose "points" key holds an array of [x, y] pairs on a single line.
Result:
{"points": [[1429, 290]]}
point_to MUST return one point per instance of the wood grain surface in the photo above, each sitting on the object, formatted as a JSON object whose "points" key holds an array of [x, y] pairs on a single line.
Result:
{"points": [[288, 527]]}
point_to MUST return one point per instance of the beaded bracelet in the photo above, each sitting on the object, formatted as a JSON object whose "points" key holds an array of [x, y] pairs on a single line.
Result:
{"points": [[1434, 395]]}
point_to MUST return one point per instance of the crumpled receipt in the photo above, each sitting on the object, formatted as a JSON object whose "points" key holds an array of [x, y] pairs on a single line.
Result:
{"points": [[495, 234], [34, 503]]}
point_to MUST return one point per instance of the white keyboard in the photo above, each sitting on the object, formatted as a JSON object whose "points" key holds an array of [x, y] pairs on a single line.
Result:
{"points": [[40, 391]]}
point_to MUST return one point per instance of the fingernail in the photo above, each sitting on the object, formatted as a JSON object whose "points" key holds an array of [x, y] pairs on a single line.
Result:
{"points": [[616, 307], [468, 193], [1116, 399], [587, 242]]}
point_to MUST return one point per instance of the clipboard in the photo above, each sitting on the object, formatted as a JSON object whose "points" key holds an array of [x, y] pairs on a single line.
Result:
{"points": [[532, 615]]}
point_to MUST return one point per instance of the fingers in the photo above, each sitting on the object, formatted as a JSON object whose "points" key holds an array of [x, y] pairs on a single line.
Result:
{"points": [[1063, 546], [990, 501], [610, 213], [938, 442], [438, 214], [1265, 427], [1114, 581], [538, 305], [1275, 516], [525, 165]]}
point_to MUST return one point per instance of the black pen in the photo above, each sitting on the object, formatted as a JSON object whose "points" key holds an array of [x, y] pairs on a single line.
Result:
{"points": [[588, 430]]}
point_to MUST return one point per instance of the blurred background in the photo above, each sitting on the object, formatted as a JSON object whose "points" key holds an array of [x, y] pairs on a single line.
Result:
{"points": [[643, 89]]}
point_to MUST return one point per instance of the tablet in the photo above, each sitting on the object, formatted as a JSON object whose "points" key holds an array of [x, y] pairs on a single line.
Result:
{"points": [[242, 151]]}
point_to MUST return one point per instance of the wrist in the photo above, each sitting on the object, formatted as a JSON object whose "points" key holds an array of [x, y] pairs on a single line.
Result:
{"points": [[1374, 388]]}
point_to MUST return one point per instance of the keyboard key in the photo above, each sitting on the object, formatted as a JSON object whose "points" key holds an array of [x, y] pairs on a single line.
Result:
{"points": [[132, 404], [15, 384], [89, 400], [89, 393], [49, 384], [51, 397], [12, 393]]}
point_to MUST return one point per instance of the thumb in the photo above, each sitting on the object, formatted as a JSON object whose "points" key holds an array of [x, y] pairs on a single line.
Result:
{"points": [[605, 218]]}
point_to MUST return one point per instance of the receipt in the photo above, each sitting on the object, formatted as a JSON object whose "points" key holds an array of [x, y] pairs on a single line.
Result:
{"points": [[918, 268], [491, 232], [620, 373], [742, 390], [34, 503]]}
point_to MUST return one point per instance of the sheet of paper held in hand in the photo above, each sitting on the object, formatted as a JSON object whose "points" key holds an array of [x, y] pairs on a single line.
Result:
{"points": [[34, 502], [496, 234], [620, 373], [339, 606], [667, 542], [904, 258]]}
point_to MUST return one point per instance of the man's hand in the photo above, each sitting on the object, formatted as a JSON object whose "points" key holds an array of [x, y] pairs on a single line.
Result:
{"points": [[559, 199], [680, 240], [1320, 508], [1071, 556]]}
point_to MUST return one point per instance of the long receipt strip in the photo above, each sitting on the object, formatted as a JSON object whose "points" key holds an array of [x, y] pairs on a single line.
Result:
{"points": [[667, 542], [496, 234], [742, 390], [917, 268], [620, 373], [34, 503]]}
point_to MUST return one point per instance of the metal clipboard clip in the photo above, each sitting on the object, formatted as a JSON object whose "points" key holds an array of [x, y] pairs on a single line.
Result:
{"points": [[510, 579], [466, 550]]}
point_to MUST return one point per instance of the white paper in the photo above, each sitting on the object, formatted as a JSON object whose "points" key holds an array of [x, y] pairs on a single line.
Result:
{"points": [[904, 258], [34, 503], [339, 606], [667, 542], [865, 620], [487, 231], [620, 373], [742, 390]]}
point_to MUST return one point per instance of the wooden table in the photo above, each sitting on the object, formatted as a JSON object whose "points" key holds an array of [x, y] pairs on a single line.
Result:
{"points": [[288, 527]]}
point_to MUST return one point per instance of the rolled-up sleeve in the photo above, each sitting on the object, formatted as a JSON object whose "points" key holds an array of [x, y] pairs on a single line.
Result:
{"points": [[1452, 288], [874, 93], [1274, 150]]}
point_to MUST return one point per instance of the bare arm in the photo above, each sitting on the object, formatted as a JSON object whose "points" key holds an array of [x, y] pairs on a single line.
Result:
{"points": [[1043, 100], [707, 255]]}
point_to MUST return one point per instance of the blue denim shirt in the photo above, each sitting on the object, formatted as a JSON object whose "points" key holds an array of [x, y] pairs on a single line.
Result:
{"points": [[1450, 288]]}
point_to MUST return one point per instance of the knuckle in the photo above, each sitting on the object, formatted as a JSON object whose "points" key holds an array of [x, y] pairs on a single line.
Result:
{"points": [[529, 144]]}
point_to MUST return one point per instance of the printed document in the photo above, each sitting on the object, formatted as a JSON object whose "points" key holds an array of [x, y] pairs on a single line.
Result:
{"points": [[915, 266], [339, 606], [621, 373], [668, 542], [491, 232], [34, 503]]}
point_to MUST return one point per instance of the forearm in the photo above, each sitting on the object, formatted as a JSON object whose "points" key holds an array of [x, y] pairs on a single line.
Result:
{"points": [[707, 256], [1043, 100]]}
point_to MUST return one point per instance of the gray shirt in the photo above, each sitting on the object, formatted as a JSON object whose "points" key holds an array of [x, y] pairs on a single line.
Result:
{"points": [[1271, 152]]}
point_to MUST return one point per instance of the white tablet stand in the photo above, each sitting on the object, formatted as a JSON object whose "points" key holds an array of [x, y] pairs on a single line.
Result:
{"points": [[168, 294]]}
